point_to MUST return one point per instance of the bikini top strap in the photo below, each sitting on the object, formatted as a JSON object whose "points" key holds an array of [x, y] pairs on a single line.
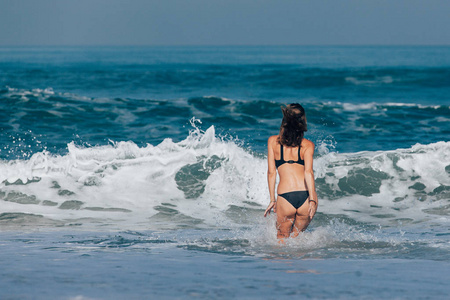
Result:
{"points": [[299, 159], [281, 152]]}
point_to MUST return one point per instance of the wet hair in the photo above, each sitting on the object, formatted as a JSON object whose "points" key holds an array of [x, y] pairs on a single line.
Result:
{"points": [[293, 125]]}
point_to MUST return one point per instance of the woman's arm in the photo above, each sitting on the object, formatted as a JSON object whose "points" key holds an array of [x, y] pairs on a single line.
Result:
{"points": [[309, 178], [271, 174]]}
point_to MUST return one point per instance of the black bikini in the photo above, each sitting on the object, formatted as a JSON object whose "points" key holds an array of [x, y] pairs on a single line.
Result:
{"points": [[281, 161], [295, 198]]}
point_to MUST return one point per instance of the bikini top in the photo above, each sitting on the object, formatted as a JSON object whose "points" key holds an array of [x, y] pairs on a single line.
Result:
{"points": [[281, 161]]}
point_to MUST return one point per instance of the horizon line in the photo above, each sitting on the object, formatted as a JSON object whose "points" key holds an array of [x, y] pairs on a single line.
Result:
{"points": [[229, 45]]}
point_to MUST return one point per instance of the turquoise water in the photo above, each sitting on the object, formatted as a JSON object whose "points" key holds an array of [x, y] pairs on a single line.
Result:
{"points": [[140, 172]]}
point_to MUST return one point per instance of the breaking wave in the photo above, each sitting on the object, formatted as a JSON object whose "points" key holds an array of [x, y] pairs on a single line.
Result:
{"points": [[205, 180]]}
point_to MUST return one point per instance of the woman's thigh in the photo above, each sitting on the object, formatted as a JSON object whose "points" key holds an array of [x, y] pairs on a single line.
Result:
{"points": [[302, 219], [285, 211]]}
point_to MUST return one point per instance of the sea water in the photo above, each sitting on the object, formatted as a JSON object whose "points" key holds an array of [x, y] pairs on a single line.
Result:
{"points": [[140, 172]]}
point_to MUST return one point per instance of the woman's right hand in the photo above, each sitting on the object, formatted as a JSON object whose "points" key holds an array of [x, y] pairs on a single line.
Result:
{"points": [[272, 205]]}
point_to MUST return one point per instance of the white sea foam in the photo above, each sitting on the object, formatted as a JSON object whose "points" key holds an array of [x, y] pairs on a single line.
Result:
{"points": [[370, 82], [124, 177], [377, 105], [203, 177], [386, 186]]}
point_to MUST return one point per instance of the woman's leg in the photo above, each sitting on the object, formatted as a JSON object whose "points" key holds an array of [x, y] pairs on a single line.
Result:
{"points": [[285, 218]]}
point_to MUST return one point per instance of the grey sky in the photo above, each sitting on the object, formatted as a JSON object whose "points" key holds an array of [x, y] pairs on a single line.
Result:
{"points": [[224, 22]]}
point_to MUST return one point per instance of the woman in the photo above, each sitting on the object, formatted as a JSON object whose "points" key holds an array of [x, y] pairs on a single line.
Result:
{"points": [[292, 156]]}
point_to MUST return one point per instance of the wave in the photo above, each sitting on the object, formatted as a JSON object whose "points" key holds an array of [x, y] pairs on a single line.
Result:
{"points": [[205, 180], [403, 185], [199, 76], [67, 104], [55, 119], [122, 178]]}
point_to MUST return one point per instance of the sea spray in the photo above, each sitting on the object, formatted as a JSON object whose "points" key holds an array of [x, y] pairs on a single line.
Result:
{"points": [[207, 180]]}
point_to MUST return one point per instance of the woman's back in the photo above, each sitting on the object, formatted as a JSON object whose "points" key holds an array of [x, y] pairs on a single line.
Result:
{"points": [[290, 165]]}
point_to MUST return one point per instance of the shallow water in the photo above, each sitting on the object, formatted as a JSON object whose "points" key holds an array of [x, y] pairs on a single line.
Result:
{"points": [[87, 265]]}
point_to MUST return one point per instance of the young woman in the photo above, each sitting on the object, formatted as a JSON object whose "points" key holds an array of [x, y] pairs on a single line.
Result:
{"points": [[292, 156]]}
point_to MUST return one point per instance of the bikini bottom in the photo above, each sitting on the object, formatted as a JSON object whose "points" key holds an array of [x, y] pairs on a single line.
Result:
{"points": [[296, 198]]}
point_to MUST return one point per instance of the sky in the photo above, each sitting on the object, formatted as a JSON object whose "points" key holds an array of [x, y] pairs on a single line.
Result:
{"points": [[224, 22]]}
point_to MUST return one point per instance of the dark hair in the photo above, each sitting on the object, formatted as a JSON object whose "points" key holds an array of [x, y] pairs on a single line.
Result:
{"points": [[293, 125]]}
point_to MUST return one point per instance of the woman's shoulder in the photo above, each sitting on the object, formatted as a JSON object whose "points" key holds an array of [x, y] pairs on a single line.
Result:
{"points": [[307, 144], [273, 139]]}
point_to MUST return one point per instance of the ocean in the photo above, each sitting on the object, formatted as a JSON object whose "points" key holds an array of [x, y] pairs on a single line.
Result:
{"points": [[140, 172]]}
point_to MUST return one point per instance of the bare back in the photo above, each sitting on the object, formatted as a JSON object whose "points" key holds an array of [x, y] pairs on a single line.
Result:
{"points": [[292, 176]]}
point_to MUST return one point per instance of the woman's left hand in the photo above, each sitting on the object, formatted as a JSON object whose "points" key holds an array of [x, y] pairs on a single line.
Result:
{"points": [[272, 205], [312, 209]]}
